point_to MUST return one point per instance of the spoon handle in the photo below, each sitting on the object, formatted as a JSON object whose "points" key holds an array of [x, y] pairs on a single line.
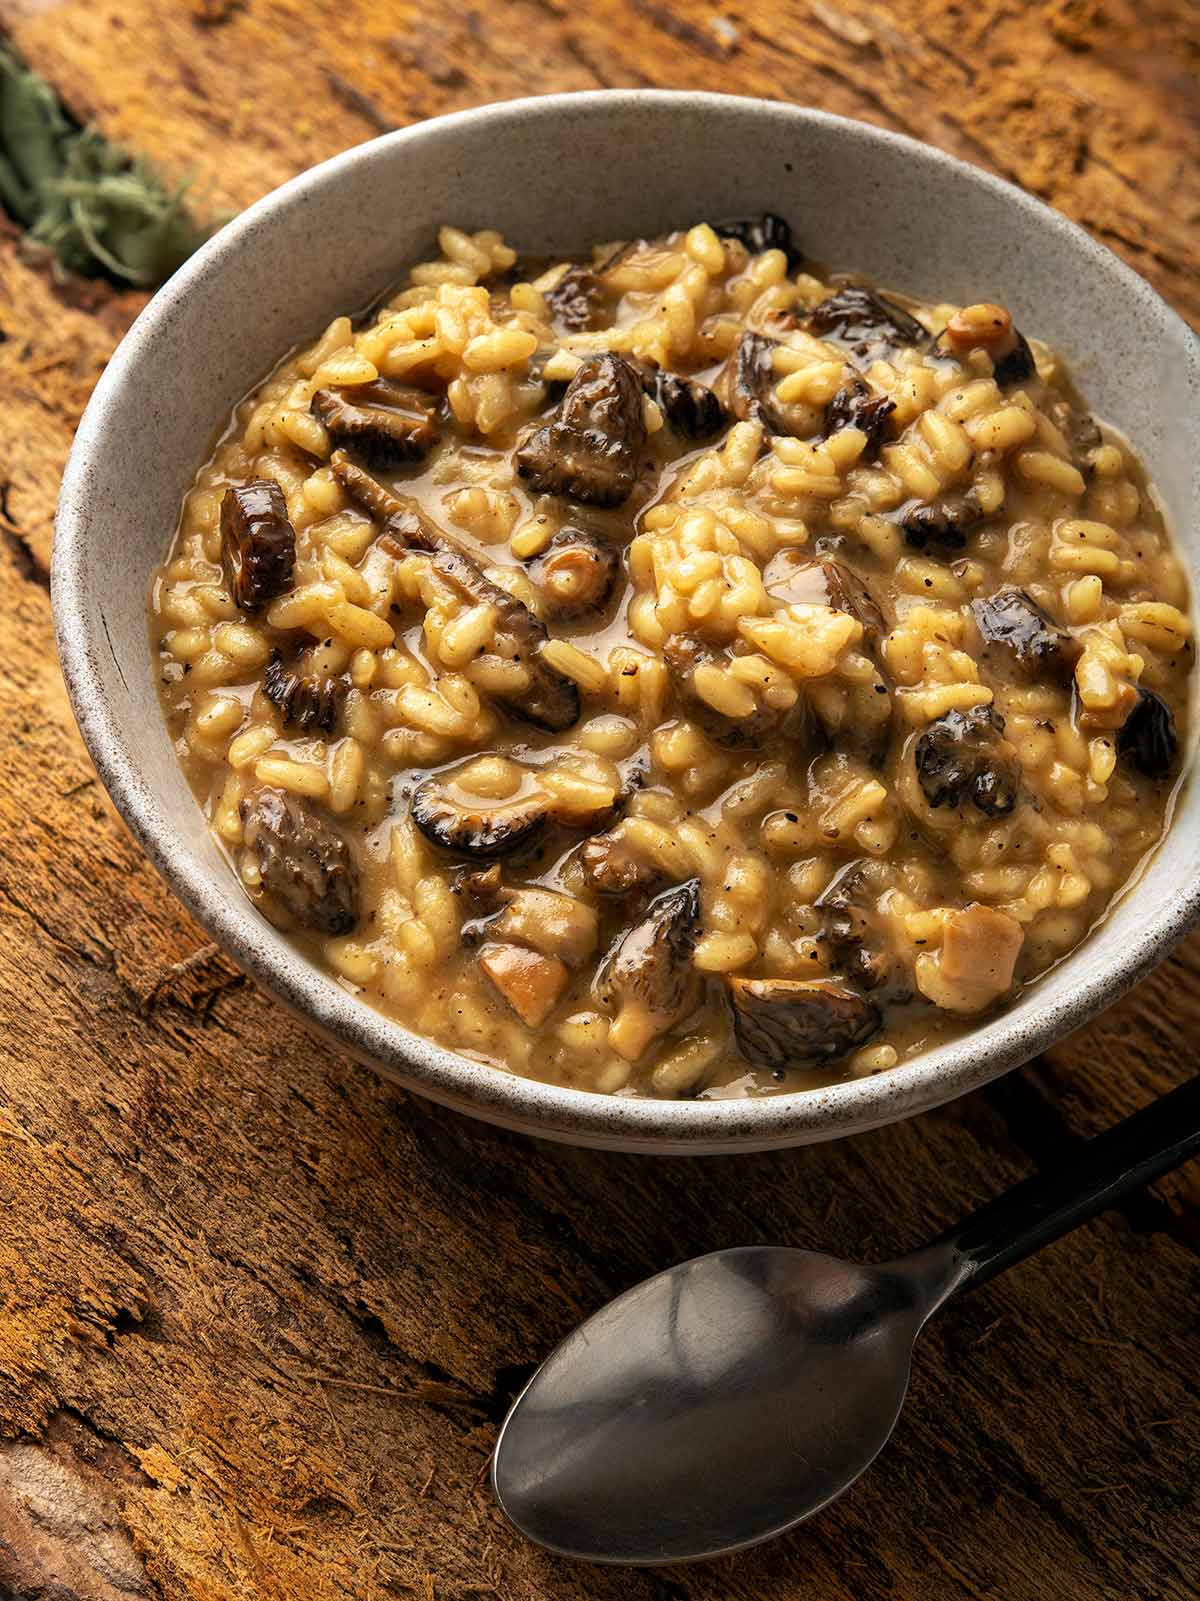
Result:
{"points": [[1042, 1208]]}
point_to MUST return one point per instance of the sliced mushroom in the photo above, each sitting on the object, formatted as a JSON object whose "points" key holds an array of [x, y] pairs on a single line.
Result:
{"points": [[767, 232], [548, 921], [782, 1022], [691, 408], [746, 384], [945, 525], [577, 299], [647, 976], [964, 756], [590, 450], [469, 825], [1147, 739], [386, 423], [307, 700], [551, 701], [989, 328], [865, 322], [376, 500], [576, 574], [1012, 619], [854, 406], [685, 656], [305, 865], [258, 543], [977, 960], [532, 984]]}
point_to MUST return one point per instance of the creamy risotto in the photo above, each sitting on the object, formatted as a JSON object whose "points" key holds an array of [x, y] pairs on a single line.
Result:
{"points": [[675, 672]]}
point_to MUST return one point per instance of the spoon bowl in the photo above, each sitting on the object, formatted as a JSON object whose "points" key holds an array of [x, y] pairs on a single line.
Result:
{"points": [[713, 1406]]}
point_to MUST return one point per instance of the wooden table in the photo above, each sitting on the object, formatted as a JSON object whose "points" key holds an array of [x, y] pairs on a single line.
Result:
{"points": [[261, 1311]]}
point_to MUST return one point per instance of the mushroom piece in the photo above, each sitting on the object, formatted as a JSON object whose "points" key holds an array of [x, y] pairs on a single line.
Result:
{"points": [[475, 827], [548, 921], [388, 424], [854, 406], [590, 449], [551, 700], [1078, 428], [577, 299], [1012, 619], [691, 408], [853, 937], [576, 573], [610, 866], [1147, 738], [943, 526], [686, 657], [307, 700], [746, 384], [864, 321], [258, 543], [376, 500], [532, 984], [647, 976], [767, 232], [783, 1022], [989, 327], [794, 578], [965, 756], [305, 865], [976, 962]]}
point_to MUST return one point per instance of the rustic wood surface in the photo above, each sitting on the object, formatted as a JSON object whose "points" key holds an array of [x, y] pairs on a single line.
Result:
{"points": [[260, 1311]]}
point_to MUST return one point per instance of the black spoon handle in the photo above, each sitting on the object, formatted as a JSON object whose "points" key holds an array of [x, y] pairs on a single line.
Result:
{"points": [[1048, 1205]]}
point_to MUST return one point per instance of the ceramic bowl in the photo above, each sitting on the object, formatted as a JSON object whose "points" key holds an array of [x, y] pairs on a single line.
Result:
{"points": [[555, 174]]}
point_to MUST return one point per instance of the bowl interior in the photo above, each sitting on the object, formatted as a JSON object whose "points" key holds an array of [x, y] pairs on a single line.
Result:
{"points": [[554, 175]]}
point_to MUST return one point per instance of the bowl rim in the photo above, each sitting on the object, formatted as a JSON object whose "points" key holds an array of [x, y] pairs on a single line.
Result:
{"points": [[553, 1111]]}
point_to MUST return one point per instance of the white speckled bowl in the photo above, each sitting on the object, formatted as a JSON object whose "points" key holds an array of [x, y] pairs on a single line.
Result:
{"points": [[554, 174]]}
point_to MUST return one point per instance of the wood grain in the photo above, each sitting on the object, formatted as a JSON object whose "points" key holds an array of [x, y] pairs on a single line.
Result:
{"points": [[261, 1310]]}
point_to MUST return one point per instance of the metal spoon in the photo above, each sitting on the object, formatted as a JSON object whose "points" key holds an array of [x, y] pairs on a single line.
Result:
{"points": [[725, 1400]]}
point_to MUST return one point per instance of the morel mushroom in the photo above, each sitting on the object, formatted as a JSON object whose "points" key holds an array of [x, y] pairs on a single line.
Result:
{"points": [[746, 384], [1012, 619], [782, 1022], [647, 976], [476, 828], [590, 450], [767, 232], [854, 406], [943, 526], [964, 756], [258, 543], [305, 865], [1147, 739], [793, 578], [577, 299], [551, 700], [865, 322], [989, 328], [691, 408], [686, 657], [576, 574], [307, 700], [387, 424], [853, 938]]}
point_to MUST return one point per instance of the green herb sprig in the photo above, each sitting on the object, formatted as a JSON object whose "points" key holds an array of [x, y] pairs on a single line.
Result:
{"points": [[98, 210]]}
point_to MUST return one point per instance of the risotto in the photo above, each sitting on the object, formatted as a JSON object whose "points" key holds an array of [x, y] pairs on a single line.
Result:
{"points": [[675, 672]]}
